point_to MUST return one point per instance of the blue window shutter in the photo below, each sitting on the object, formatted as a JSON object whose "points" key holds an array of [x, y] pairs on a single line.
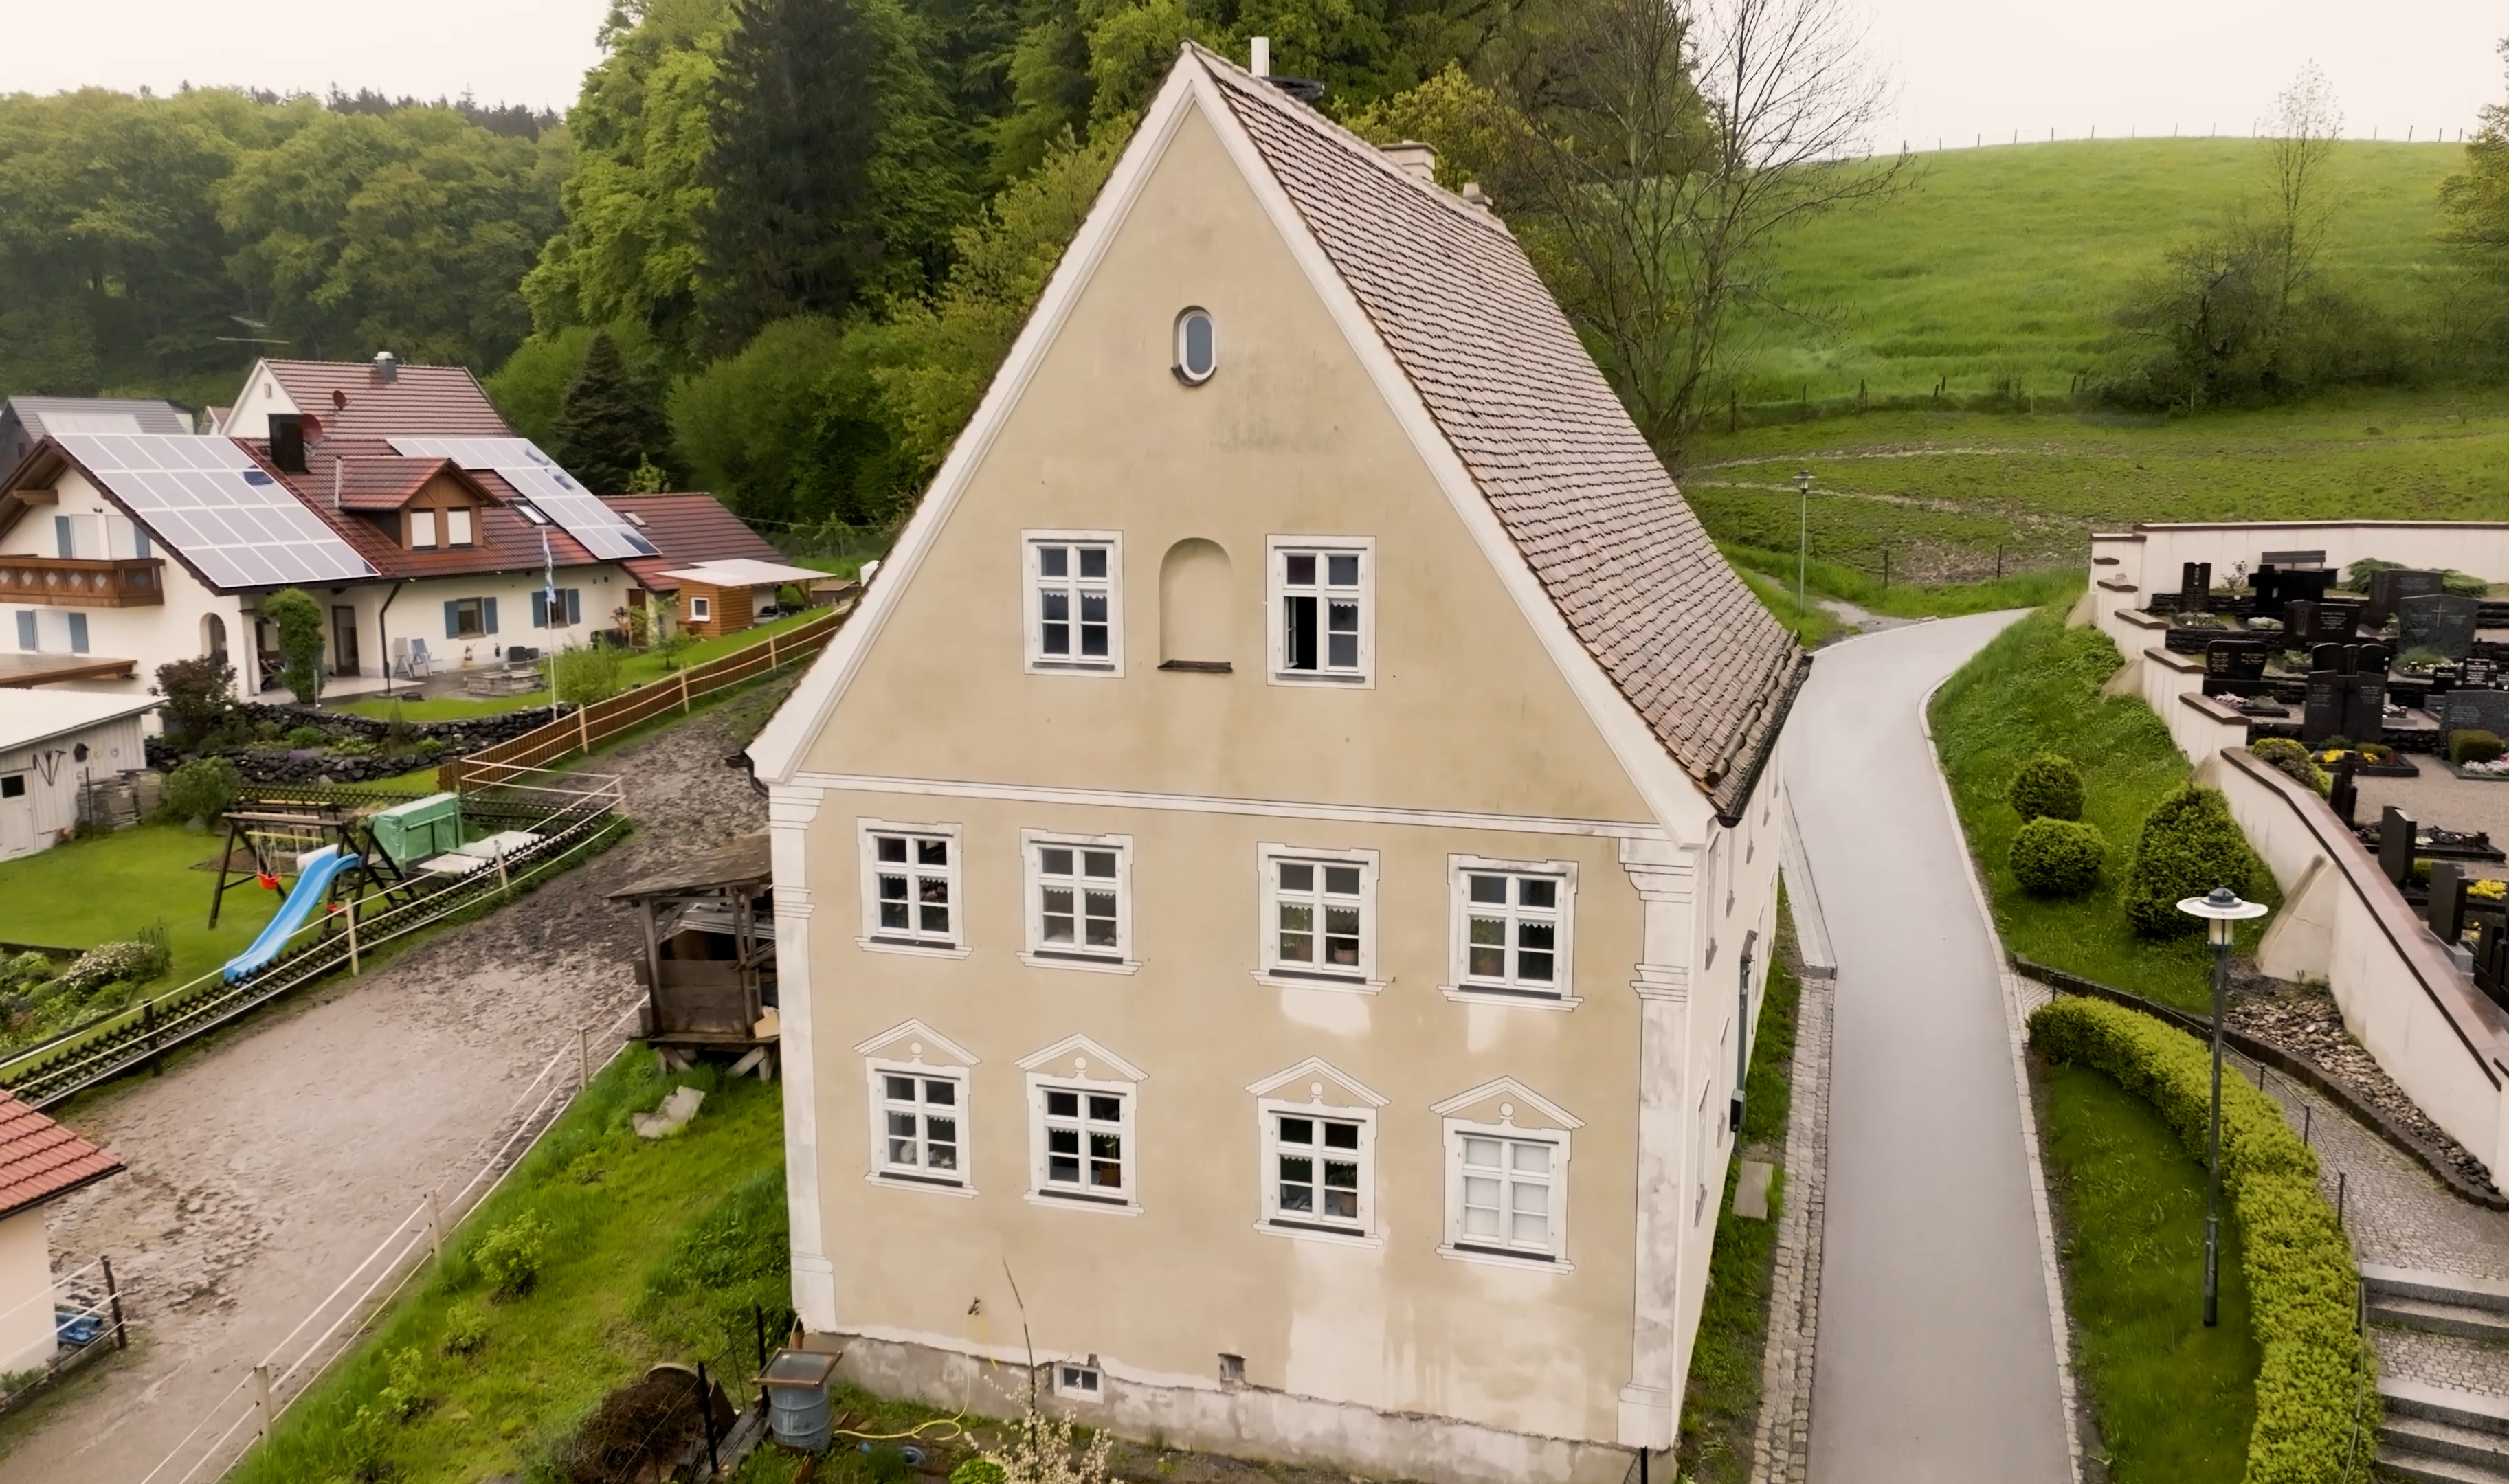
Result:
{"points": [[540, 609], [26, 629], [139, 540], [452, 621], [61, 536], [573, 605], [78, 633], [489, 607]]}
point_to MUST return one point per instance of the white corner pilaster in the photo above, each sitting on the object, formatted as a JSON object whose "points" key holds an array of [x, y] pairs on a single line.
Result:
{"points": [[790, 811], [1666, 877]]}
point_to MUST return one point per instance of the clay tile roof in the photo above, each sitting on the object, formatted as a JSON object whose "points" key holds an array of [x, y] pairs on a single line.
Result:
{"points": [[439, 402], [385, 482], [1572, 480], [40, 1160], [503, 541], [689, 529]]}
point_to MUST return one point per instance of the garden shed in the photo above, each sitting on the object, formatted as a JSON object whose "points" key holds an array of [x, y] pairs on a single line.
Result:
{"points": [[53, 744], [40, 1161], [708, 965]]}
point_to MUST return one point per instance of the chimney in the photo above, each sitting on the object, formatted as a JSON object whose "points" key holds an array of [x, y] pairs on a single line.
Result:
{"points": [[288, 442], [1414, 159], [387, 366], [1262, 65]]}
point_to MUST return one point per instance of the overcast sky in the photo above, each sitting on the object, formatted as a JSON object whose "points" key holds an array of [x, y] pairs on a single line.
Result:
{"points": [[1963, 67]]}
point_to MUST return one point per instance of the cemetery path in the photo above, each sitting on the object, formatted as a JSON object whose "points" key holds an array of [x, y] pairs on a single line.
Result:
{"points": [[1938, 1359]]}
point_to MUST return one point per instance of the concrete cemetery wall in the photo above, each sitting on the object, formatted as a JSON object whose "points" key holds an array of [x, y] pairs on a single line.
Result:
{"points": [[2345, 924], [2127, 567]]}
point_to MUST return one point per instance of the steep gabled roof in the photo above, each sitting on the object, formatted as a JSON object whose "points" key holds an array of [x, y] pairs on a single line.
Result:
{"points": [[502, 539], [436, 401], [1576, 486], [689, 529]]}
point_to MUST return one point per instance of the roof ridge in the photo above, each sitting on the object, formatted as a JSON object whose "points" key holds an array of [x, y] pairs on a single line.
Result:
{"points": [[1314, 117]]}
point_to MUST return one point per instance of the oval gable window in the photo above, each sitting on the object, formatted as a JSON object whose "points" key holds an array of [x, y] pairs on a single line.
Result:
{"points": [[1197, 347]]}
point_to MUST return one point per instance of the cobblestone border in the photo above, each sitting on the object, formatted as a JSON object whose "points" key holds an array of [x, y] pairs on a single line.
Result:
{"points": [[2015, 992], [1782, 1442]]}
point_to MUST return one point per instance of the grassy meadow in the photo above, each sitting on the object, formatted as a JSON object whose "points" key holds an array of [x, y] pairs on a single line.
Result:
{"points": [[2001, 269]]}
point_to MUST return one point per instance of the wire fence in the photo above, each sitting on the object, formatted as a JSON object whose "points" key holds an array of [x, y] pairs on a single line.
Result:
{"points": [[327, 1331], [579, 813]]}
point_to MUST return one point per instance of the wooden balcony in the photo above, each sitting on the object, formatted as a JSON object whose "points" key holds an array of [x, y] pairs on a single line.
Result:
{"points": [[83, 582]]}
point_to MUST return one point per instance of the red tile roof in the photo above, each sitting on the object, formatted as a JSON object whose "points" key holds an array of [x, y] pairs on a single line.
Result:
{"points": [[689, 528], [506, 542], [437, 401], [40, 1160], [386, 483], [1577, 487]]}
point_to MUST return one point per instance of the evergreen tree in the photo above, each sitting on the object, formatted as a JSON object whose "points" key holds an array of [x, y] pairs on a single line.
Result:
{"points": [[611, 424], [792, 226]]}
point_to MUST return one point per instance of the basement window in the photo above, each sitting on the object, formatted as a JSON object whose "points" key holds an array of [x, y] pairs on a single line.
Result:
{"points": [[1197, 347], [1078, 1383]]}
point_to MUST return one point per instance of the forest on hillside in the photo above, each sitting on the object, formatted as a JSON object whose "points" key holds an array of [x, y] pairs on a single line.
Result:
{"points": [[777, 247]]}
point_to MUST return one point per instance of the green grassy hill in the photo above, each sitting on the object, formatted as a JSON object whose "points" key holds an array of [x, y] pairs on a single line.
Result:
{"points": [[2008, 261], [2008, 264]]}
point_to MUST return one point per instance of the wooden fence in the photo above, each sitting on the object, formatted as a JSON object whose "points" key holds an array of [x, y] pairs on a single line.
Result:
{"points": [[589, 726]]}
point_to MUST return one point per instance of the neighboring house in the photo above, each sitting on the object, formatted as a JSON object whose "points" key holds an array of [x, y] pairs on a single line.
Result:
{"points": [[714, 575], [1281, 865], [40, 1161], [53, 743], [395, 495], [26, 421]]}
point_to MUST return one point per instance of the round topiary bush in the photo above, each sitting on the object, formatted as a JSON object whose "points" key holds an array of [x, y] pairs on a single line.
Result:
{"points": [[2472, 745], [2189, 845], [2285, 755], [2058, 857], [2047, 787], [201, 790]]}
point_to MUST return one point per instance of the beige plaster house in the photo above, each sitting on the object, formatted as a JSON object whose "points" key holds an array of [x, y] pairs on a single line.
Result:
{"points": [[1281, 865]]}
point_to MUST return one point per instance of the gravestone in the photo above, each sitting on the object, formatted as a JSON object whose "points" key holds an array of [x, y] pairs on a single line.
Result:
{"points": [[2395, 843], [2491, 960], [2365, 708], [2276, 585], [2391, 587], [2234, 659], [2475, 711], [2321, 714], [2437, 623], [2479, 674], [2337, 657], [2194, 586], [2331, 622], [2345, 795], [2299, 617], [2447, 902], [2373, 660]]}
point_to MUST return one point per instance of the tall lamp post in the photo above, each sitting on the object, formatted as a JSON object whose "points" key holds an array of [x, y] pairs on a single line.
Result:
{"points": [[2221, 911], [1803, 530]]}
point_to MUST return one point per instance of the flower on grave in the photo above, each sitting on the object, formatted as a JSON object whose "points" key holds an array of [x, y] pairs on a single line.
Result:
{"points": [[2488, 890]]}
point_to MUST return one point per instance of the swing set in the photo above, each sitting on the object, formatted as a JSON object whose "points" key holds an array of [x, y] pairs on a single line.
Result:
{"points": [[273, 836]]}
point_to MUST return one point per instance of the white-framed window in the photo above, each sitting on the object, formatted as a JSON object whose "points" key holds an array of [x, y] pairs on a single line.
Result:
{"points": [[700, 609], [457, 525], [1075, 602], [1513, 929], [1080, 908], [1075, 1381], [1197, 347], [1322, 592], [421, 529], [1507, 1181], [910, 888], [1319, 1168], [922, 1125], [1084, 1147], [1317, 917]]}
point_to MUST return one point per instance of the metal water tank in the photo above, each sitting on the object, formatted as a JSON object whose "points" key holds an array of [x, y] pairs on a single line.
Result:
{"points": [[797, 1397]]}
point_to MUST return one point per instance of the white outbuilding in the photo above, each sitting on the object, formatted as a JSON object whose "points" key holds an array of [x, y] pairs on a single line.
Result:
{"points": [[53, 744]]}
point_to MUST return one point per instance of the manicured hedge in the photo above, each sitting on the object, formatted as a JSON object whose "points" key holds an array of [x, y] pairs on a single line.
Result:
{"points": [[2302, 1282], [2189, 845], [2047, 787], [2057, 857]]}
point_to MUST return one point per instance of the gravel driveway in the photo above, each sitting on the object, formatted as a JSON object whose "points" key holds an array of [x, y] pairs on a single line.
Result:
{"points": [[267, 1166]]}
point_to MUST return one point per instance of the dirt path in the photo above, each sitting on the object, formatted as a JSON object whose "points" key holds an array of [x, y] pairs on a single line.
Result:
{"points": [[265, 1166]]}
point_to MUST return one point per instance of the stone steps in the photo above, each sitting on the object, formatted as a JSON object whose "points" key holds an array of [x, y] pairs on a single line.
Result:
{"points": [[2435, 1436], [2438, 1317], [2441, 1303]]}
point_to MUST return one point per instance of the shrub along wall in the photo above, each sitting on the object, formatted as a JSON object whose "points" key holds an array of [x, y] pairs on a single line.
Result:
{"points": [[2303, 1287]]}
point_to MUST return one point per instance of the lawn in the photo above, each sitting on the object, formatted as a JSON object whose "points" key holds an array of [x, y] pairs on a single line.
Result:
{"points": [[654, 1250], [103, 890], [2036, 688], [2007, 263], [1721, 1406], [2175, 1400], [641, 667]]}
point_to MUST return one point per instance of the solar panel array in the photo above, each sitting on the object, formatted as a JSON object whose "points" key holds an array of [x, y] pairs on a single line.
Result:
{"points": [[535, 476], [225, 514]]}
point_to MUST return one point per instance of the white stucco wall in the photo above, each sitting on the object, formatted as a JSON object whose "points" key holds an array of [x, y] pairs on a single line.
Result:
{"points": [[27, 1338]]}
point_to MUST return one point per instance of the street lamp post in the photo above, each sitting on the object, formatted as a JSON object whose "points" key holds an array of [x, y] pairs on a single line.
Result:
{"points": [[2222, 909], [1803, 530]]}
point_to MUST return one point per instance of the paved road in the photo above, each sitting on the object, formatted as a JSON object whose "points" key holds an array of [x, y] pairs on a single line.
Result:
{"points": [[1937, 1363]]}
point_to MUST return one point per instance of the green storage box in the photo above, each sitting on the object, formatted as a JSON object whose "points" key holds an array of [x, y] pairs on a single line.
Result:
{"points": [[419, 829]]}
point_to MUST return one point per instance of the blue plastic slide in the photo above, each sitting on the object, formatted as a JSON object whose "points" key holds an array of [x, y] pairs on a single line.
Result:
{"points": [[312, 886]]}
